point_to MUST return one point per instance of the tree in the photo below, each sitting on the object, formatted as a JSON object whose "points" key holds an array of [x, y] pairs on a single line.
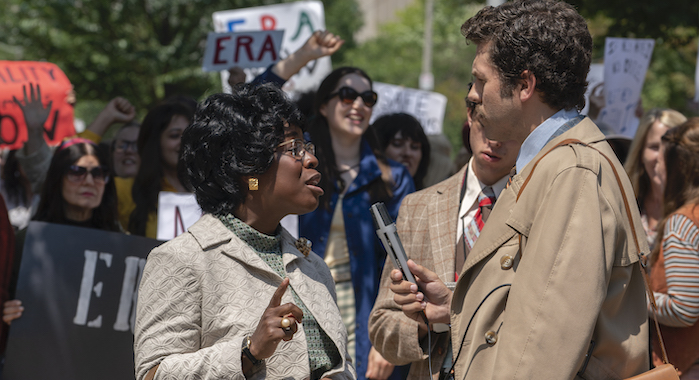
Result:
{"points": [[673, 25], [394, 56], [144, 50]]}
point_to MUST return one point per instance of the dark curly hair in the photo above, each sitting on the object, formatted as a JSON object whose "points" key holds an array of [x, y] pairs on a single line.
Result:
{"points": [[233, 136], [51, 207], [147, 183], [409, 127], [549, 38]]}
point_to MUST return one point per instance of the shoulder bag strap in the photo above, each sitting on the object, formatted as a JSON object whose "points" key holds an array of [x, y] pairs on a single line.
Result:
{"points": [[641, 258]]}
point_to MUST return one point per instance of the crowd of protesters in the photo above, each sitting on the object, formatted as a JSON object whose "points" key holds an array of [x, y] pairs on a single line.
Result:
{"points": [[114, 186]]}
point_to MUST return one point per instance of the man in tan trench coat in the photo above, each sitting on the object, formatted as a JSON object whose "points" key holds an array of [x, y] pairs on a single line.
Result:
{"points": [[552, 288]]}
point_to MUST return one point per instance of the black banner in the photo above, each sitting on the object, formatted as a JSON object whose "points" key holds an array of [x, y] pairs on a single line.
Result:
{"points": [[79, 289]]}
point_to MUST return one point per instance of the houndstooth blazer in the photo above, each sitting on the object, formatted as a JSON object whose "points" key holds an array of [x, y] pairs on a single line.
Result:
{"points": [[203, 292], [427, 228]]}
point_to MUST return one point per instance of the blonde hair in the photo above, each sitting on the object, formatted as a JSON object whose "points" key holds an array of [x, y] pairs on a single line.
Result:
{"points": [[634, 161]]}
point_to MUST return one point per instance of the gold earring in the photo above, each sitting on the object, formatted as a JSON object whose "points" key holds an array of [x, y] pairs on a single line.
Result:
{"points": [[253, 183]]}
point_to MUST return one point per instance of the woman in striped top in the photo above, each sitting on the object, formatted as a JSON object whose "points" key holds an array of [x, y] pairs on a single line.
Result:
{"points": [[675, 262]]}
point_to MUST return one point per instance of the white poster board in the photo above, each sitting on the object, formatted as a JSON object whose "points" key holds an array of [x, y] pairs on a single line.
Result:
{"points": [[176, 213], [242, 49], [298, 20], [626, 62], [428, 107], [594, 77]]}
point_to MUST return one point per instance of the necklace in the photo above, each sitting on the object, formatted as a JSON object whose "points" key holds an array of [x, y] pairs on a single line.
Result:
{"points": [[349, 168]]}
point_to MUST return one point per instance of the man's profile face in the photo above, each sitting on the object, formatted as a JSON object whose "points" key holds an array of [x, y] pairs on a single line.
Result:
{"points": [[499, 116], [492, 160]]}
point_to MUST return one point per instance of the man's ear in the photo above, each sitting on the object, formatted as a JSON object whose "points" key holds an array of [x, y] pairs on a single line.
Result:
{"points": [[528, 85]]}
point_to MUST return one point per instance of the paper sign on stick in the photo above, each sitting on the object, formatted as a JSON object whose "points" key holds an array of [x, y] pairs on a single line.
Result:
{"points": [[626, 61], [298, 20], [55, 86], [176, 213], [428, 107], [242, 49]]}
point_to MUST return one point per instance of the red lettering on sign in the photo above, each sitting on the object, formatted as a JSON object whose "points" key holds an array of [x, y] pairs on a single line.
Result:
{"points": [[268, 22], [268, 46], [243, 41], [219, 47], [178, 220]]}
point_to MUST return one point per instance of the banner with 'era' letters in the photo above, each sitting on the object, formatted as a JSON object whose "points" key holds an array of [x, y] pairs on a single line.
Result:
{"points": [[79, 288]]}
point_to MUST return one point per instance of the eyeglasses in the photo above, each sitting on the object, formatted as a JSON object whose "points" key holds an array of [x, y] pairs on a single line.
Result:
{"points": [[125, 145], [78, 173], [298, 148], [348, 95]]}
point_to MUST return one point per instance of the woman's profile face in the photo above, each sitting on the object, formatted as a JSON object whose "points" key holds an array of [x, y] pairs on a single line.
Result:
{"points": [[406, 151], [82, 191], [651, 150], [170, 141], [348, 121], [290, 185]]}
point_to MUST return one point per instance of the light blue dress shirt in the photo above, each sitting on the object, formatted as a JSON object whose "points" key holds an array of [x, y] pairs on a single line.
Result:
{"points": [[536, 140]]}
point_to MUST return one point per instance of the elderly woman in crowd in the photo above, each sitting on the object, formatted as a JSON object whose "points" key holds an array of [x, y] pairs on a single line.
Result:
{"points": [[237, 296], [77, 192], [640, 166], [675, 260]]}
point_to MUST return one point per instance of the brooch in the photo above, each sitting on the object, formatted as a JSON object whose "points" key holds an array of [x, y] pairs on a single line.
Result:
{"points": [[304, 246]]}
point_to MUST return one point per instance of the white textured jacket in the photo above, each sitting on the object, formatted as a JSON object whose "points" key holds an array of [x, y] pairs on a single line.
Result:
{"points": [[203, 292]]}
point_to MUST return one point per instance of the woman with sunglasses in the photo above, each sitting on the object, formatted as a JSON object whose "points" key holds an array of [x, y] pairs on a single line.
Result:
{"points": [[355, 175], [77, 192], [236, 296]]}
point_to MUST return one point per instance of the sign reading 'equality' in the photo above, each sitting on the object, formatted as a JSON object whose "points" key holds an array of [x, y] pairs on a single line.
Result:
{"points": [[15, 79]]}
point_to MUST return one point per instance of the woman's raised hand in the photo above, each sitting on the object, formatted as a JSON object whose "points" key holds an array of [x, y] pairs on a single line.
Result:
{"points": [[12, 310], [278, 322]]}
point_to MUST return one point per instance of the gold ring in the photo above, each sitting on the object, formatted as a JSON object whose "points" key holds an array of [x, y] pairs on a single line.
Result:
{"points": [[286, 323]]}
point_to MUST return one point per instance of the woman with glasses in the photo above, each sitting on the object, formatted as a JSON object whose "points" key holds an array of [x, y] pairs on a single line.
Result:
{"points": [[355, 175], [236, 296], [125, 158], [78, 192]]}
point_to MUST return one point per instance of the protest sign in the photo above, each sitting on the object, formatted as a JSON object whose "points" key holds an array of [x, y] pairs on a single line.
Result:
{"points": [[427, 107], [176, 213], [626, 61], [242, 49], [595, 77], [79, 289], [55, 87], [298, 21]]}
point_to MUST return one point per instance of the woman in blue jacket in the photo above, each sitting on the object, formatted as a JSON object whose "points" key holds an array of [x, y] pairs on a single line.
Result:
{"points": [[355, 175]]}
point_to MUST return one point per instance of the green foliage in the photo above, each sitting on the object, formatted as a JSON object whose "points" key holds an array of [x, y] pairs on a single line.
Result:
{"points": [[143, 50], [673, 25], [395, 56]]}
